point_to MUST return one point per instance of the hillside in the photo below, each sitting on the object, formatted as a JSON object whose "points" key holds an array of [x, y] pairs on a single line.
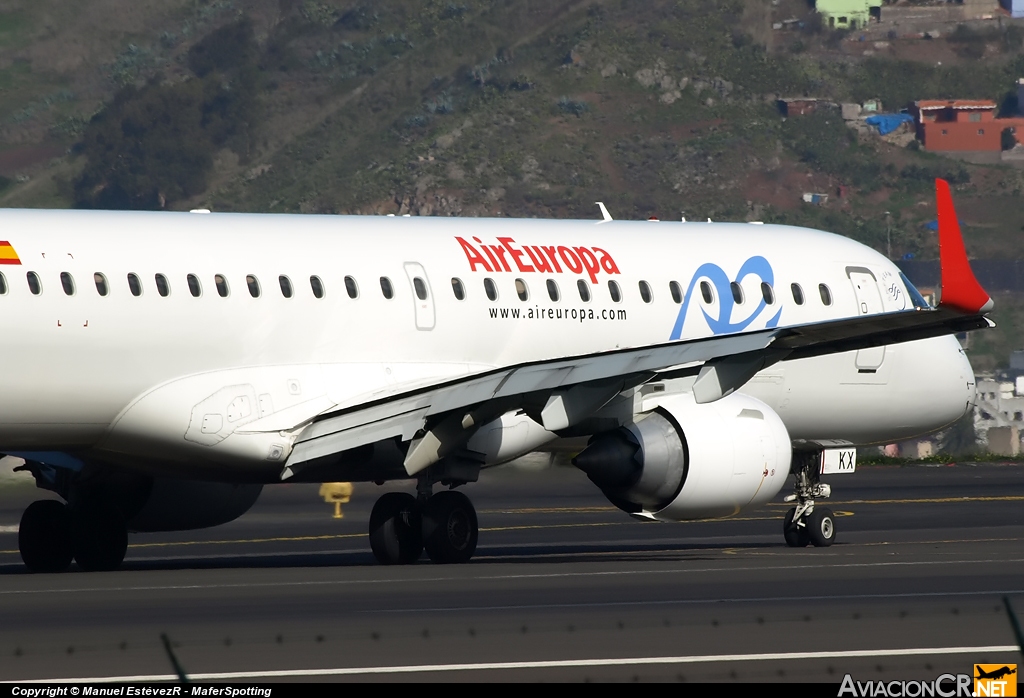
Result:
{"points": [[481, 107]]}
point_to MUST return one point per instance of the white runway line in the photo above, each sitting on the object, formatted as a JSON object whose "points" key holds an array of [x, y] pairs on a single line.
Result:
{"points": [[550, 664]]}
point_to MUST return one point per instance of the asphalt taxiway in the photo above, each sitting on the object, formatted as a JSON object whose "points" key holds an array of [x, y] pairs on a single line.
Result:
{"points": [[563, 587]]}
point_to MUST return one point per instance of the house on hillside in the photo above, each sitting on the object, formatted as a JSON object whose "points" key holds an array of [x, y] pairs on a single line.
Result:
{"points": [[1014, 7], [963, 125], [848, 14], [799, 106]]}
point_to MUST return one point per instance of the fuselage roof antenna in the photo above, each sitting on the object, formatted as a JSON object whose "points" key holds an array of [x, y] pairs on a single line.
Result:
{"points": [[604, 212]]}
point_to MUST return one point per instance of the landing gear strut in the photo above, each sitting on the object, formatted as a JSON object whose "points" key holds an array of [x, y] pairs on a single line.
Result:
{"points": [[806, 522], [443, 524]]}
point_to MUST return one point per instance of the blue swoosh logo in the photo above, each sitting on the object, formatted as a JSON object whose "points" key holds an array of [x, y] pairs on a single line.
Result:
{"points": [[723, 324]]}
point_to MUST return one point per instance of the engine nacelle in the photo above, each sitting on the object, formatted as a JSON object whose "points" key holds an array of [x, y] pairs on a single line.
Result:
{"points": [[689, 461], [150, 503], [181, 505]]}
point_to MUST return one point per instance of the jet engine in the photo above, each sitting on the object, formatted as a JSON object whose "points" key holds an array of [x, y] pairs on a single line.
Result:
{"points": [[180, 505], [689, 461], [149, 504]]}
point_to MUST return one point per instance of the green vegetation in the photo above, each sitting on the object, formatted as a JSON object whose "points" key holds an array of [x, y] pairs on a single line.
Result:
{"points": [[154, 146]]}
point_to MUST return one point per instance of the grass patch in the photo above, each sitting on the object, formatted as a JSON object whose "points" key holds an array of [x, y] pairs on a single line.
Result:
{"points": [[14, 28]]}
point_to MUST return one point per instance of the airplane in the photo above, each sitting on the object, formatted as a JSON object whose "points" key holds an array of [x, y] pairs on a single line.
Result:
{"points": [[160, 368], [994, 674]]}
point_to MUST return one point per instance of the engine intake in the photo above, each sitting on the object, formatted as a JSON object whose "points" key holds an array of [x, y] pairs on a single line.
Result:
{"points": [[640, 466]]}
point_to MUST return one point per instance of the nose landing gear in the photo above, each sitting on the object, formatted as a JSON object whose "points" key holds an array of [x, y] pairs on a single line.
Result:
{"points": [[806, 522]]}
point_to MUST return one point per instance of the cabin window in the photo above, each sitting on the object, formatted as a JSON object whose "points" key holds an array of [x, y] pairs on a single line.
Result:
{"points": [[552, 289], [584, 288], [221, 282], [194, 287], [768, 293], [34, 284], [490, 289], [458, 289], [135, 284], [825, 293], [351, 288], [676, 291], [386, 288], [67, 283], [3, 285], [286, 286], [706, 293], [614, 291], [645, 292], [254, 285], [737, 292], [162, 286], [798, 293], [522, 291], [101, 284], [420, 288], [317, 286]]}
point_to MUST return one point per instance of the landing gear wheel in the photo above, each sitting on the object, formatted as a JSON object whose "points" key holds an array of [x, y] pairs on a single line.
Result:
{"points": [[395, 529], [796, 536], [44, 537], [99, 537], [821, 527], [449, 527]]}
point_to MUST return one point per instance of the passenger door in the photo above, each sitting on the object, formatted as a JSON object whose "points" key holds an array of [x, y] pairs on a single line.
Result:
{"points": [[869, 302]]}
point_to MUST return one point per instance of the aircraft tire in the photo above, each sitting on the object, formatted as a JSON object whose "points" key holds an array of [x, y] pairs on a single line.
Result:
{"points": [[795, 536], [450, 528], [44, 537], [395, 537], [99, 537], [821, 527]]}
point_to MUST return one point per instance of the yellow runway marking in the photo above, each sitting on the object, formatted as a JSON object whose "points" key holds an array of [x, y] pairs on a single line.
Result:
{"points": [[604, 509], [529, 527], [552, 510]]}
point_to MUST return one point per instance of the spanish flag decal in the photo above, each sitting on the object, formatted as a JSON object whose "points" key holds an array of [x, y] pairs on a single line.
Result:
{"points": [[7, 253]]}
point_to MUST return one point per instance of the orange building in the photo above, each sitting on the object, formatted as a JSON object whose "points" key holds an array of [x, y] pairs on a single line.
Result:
{"points": [[962, 125]]}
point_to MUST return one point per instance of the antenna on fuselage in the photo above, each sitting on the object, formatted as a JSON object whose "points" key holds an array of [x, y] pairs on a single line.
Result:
{"points": [[604, 212]]}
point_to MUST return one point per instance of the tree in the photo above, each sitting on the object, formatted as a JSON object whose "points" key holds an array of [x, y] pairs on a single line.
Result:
{"points": [[1007, 139]]}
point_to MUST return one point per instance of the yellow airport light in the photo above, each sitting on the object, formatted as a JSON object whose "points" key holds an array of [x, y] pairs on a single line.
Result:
{"points": [[337, 492]]}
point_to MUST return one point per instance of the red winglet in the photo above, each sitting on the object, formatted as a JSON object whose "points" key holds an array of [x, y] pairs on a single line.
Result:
{"points": [[960, 290]]}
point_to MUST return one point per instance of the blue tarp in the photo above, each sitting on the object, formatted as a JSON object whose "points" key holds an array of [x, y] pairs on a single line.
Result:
{"points": [[934, 225], [887, 123]]}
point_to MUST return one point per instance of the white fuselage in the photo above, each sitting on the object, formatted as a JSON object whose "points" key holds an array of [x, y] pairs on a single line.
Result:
{"points": [[78, 367]]}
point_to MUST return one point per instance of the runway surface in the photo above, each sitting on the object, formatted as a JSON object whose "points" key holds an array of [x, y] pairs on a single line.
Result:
{"points": [[563, 587]]}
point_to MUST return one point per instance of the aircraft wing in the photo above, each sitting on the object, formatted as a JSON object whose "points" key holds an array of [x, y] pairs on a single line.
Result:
{"points": [[438, 419]]}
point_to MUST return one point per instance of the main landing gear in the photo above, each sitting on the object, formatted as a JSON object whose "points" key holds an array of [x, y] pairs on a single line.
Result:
{"points": [[403, 526], [51, 534], [807, 522]]}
